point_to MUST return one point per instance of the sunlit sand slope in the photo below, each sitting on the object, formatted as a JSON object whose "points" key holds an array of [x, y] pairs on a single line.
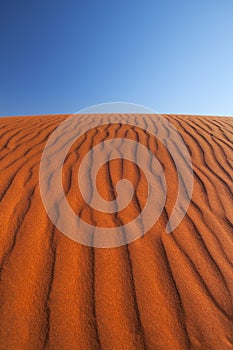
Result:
{"points": [[163, 291]]}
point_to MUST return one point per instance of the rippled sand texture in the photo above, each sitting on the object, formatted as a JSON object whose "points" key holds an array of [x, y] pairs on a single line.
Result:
{"points": [[163, 291]]}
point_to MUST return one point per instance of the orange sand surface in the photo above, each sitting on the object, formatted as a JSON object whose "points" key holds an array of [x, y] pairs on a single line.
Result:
{"points": [[163, 291]]}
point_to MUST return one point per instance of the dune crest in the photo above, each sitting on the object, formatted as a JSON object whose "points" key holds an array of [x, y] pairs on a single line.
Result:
{"points": [[163, 291]]}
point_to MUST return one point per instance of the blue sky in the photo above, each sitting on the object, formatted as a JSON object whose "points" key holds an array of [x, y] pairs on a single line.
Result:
{"points": [[59, 56]]}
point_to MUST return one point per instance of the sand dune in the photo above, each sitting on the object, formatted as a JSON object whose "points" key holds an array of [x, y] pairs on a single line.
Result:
{"points": [[163, 291]]}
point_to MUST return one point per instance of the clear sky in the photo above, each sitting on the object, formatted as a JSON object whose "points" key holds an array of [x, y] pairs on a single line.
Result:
{"points": [[59, 56]]}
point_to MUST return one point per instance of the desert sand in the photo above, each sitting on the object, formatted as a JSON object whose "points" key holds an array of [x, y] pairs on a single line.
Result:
{"points": [[163, 291]]}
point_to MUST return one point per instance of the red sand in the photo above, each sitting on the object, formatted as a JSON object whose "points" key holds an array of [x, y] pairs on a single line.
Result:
{"points": [[160, 292]]}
